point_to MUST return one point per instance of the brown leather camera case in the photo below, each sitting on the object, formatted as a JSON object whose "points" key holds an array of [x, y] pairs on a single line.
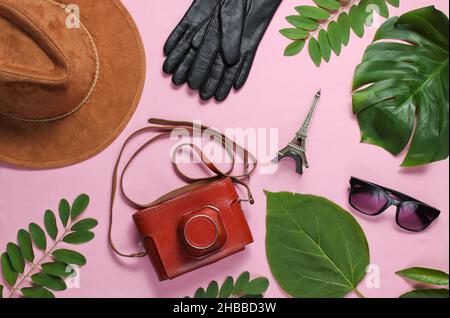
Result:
{"points": [[198, 224], [194, 226]]}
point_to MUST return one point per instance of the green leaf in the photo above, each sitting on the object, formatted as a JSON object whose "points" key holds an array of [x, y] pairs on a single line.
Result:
{"points": [[294, 34], [303, 23], [427, 293], [79, 237], [1, 291], [314, 13], [213, 290], [294, 48], [227, 288], [243, 288], [69, 257], [324, 44], [314, 51], [401, 89], [200, 293], [395, 3], [16, 257], [50, 224], [64, 211], [48, 281], [331, 5], [26, 245], [425, 275], [344, 28], [79, 206], [84, 225], [335, 38], [38, 236], [9, 274], [257, 286], [37, 292], [315, 248], [57, 269], [357, 20], [241, 282]]}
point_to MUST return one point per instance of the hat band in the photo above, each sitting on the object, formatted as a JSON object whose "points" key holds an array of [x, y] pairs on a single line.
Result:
{"points": [[91, 90]]}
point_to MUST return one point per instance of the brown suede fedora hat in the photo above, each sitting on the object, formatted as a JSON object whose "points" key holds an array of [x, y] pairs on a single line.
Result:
{"points": [[68, 86]]}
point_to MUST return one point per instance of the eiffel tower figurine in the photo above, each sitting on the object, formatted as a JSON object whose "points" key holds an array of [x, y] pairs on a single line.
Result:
{"points": [[296, 149]]}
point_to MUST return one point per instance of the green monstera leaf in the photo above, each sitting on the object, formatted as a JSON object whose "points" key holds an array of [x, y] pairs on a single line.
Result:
{"points": [[401, 87], [315, 248]]}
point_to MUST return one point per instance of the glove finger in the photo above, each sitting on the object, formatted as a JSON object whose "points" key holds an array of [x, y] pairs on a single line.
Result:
{"points": [[226, 83], [203, 63], [232, 17], [210, 86], [175, 38], [200, 35], [207, 50], [244, 71], [178, 53], [198, 12], [181, 73]]}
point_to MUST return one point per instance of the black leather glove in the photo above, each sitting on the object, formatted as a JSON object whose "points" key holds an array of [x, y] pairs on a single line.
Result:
{"points": [[197, 21], [222, 76]]}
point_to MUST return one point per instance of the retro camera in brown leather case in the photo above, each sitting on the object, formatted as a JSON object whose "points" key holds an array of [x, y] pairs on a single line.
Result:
{"points": [[193, 227]]}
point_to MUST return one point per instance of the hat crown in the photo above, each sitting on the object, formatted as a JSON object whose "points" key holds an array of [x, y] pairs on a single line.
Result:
{"points": [[47, 69]]}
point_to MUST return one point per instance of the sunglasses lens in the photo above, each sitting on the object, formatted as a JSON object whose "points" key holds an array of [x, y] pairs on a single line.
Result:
{"points": [[415, 216], [368, 200]]}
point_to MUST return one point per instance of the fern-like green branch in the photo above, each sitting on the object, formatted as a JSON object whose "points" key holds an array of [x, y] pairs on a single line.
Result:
{"points": [[31, 278], [326, 27], [243, 287]]}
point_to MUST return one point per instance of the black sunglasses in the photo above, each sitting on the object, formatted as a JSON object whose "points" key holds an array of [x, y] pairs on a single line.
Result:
{"points": [[372, 199]]}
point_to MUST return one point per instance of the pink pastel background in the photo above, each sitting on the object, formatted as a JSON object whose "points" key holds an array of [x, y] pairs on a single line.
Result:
{"points": [[277, 95]]}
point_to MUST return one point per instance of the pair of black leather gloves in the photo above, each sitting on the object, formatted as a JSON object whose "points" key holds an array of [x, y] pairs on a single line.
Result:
{"points": [[214, 45]]}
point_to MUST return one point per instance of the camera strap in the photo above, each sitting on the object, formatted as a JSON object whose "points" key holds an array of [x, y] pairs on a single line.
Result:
{"points": [[165, 129]]}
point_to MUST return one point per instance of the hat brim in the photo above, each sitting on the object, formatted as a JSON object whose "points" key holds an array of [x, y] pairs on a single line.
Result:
{"points": [[104, 116]]}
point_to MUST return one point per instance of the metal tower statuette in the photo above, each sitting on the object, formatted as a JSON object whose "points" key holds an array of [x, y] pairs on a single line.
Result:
{"points": [[296, 149]]}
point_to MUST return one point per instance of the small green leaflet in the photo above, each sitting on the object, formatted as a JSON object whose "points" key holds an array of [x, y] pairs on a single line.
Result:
{"points": [[9, 274], [37, 292], [227, 288], [64, 211], [16, 258], [69, 257], [324, 45], [50, 224], [294, 48], [49, 281], [57, 269], [79, 206], [314, 51], [425, 275], [26, 245], [295, 34], [303, 23], [79, 237], [38, 236], [84, 225], [314, 13]]}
